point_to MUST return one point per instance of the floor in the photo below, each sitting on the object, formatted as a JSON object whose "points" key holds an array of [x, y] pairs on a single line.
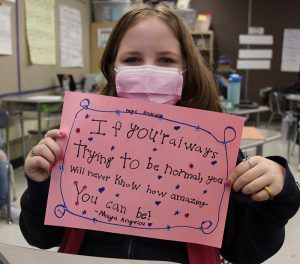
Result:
{"points": [[289, 253]]}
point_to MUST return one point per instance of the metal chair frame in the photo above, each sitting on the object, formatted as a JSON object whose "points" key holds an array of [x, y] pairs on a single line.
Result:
{"points": [[4, 123], [274, 104]]}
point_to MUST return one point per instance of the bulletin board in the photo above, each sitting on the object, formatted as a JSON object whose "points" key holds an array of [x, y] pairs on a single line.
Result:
{"points": [[17, 74]]}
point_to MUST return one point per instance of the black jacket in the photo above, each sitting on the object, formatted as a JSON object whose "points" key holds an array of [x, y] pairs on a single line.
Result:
{"points": [[254, 231]]}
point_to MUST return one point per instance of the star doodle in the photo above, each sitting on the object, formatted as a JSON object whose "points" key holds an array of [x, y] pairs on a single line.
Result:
{"points": [[112, 148], [87, 116], [177, 212], [177, 187]]}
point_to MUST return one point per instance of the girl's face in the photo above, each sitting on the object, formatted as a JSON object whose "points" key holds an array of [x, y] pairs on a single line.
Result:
{"points": [[150, 42]]}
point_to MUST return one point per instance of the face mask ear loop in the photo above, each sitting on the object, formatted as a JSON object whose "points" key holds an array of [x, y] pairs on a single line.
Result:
{"points": [[116, 70]]}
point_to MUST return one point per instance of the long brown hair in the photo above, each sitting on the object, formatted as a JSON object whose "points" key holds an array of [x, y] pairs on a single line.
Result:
{"points": [[199, 88]]}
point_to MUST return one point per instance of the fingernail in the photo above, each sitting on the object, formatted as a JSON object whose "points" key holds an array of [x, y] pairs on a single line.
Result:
{"points": [[228, 183], [60, 158], [50, 169], [62, 133], [54, 163]]}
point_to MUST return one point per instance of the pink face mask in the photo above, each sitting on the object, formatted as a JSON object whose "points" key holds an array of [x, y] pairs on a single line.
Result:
{"points": [[150, 83]]}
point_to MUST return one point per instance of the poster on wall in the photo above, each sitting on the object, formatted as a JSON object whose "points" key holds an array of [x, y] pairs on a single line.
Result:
{"points": [[290, 60], [144, 169], [102, 36], [5, 30], [70, 37], [40, 31]]}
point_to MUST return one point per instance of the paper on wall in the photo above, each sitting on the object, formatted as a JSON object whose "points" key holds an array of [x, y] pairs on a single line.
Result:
{"points": [[40, 31], [253, 64], [256, 39], [102, 36], [70, 37], [290, 61], [255, 54], [5, 30]]}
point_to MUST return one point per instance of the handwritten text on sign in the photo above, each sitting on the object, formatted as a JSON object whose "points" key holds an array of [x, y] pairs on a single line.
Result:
{"points": [[143, 169]]}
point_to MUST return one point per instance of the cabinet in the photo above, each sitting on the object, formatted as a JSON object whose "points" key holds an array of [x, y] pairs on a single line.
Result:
{"points": [[204, 41]]}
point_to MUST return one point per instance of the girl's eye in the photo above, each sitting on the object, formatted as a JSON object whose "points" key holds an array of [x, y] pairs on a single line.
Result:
{"points": [[132, 60], [166, 60]]}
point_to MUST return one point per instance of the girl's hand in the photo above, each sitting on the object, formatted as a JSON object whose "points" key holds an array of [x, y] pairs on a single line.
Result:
{"points": [[259, 177], [43, 156]]}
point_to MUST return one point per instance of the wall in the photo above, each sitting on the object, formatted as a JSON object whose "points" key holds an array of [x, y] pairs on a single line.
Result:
{"points": [[230, 18], [17, 75]]}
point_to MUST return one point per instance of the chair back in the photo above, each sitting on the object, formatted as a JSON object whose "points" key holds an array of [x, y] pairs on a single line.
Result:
{"points": [[274, 102], [4, 118]]}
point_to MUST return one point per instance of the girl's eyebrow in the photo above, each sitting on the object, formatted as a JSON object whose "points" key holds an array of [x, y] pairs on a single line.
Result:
{"points": [[170, 53], [126, 53]]}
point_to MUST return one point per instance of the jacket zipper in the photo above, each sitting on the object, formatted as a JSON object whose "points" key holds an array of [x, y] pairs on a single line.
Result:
{"points": [[129, 248]]}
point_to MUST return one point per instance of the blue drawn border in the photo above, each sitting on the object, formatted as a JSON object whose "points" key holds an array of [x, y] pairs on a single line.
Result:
{"points": [[61, 209]]}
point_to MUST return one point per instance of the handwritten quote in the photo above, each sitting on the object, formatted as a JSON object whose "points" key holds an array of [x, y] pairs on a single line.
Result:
{"points": [[143, 169]]}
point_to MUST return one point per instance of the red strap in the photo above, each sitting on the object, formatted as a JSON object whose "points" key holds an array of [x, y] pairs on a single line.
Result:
{"points": [[200, 254], [72, 241]]}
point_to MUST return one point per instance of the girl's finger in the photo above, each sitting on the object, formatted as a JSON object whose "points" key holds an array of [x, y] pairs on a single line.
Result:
{"points": [[42, 150], [256, 185], [55, 133], [245, 165], [37, 163], [264, 194], [247, 177], [52, 145]]}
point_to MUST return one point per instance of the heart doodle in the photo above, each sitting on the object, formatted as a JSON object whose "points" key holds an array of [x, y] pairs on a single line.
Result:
{"points": [[101, 190]]}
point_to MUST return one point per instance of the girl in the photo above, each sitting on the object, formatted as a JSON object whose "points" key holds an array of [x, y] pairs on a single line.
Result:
{"points": [[152, 41]]}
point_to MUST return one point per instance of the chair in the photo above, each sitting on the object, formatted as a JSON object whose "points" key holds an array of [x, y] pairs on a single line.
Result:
{"points": [[51, 114], [4, 123], [274, 104], [296, 136]]}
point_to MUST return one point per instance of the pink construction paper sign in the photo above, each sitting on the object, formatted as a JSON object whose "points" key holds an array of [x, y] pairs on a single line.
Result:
{"points": [[143, 169]]}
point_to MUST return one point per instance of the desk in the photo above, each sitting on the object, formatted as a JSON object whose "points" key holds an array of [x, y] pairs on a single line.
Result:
{"points": [[270, 135], [15, 105], [248, 111], [22, 255], [291, 98]]}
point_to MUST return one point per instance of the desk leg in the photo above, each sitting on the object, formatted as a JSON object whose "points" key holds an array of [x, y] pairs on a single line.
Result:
{"points": [[259, 150], [39, 117], [23, 135], [7, 142], [9, 219], [299, 151], [257, 121]]}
